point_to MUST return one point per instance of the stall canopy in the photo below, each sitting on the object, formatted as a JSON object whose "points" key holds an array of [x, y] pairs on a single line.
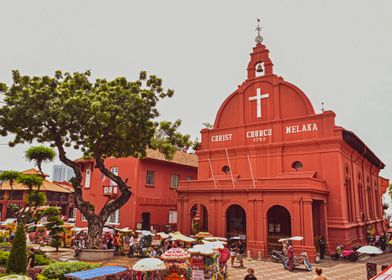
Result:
{"points": [[180, 237], [145, 232], [215, 245], [163, 235], [123, 230], [96, 272], [201, 250]]}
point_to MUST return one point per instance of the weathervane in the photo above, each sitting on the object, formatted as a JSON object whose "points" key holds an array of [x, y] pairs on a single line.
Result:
{"points": [[259, 38]]}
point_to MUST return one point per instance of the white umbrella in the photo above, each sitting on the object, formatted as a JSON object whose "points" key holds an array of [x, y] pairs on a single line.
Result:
{"points": [[215, 238], [149, 264], [145, 232], [215, 244], [201, 249], [294, 238], [370, 250]]}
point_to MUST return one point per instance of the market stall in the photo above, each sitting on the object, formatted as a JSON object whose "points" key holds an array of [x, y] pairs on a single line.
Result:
{"points": [[176, 261], [149, 268], [208, 260]]}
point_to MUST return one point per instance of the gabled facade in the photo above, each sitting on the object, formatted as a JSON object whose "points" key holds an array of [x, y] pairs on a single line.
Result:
{"points": [[153, 181], [272, 167]]}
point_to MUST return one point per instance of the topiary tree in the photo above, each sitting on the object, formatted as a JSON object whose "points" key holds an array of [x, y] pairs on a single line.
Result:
{"points": [[34, 197], [40, 154], [54, 225], [17, 261], [10, 177], [101, 118]]}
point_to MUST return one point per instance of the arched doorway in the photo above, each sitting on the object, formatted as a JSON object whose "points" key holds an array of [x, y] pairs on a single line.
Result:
{"points": [[278, 226], [199, 218], [235, 221]]}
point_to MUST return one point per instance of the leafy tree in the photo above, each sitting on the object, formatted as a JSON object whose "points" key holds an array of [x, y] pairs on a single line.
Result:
{"points": [[103, 119], [54, 225], [17, 261]]}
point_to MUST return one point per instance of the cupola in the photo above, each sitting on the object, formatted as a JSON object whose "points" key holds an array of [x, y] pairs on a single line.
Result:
{"points": [[260, 64]]}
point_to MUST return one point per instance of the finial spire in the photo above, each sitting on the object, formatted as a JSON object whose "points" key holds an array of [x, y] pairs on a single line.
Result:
{"points": [[259, 38]]}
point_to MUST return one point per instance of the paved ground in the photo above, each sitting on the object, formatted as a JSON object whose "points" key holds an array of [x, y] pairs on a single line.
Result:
{"points": [[338, 270]]}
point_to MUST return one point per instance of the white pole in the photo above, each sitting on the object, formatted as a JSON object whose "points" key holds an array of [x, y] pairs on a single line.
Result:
{"points": [[251, 172], [212, 172]]}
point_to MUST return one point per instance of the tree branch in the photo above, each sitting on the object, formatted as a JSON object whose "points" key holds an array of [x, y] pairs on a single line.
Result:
{"points": [[82, 205], [125, 192]]}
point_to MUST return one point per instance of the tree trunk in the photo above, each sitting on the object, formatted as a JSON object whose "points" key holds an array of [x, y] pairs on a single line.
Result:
{"points": [[95, 230]]}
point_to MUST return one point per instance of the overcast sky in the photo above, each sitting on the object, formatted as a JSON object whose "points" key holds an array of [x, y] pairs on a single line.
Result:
{"points": [[337, 52]]}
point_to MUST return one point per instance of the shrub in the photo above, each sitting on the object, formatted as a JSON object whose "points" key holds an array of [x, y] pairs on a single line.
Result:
{"points": [[17, 261], [58, 270], [42, 260], [14, 277], [4, 255], [5, 244]]}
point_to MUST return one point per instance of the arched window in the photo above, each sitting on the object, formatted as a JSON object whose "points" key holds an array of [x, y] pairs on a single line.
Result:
{"points": [[297, 165], [350, 204], [378, 200], [369, 193], [361, 197]]}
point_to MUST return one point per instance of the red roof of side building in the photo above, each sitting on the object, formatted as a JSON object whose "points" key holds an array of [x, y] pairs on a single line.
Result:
{"points": [[46, 185], [179, 157]]}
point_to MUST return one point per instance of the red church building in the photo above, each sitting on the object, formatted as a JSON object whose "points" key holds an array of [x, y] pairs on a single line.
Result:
{"points": [[272, 167], [153, 181]]}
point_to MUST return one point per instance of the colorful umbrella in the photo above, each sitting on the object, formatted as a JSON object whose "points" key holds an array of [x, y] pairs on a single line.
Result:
{"points": [[149, 264], [175, 254]]}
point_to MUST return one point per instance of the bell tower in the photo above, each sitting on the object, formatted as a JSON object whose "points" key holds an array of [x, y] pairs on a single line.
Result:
{"points": [[260, 64]]}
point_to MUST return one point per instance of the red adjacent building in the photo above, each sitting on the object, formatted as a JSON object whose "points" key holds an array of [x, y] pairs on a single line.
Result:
{"points": [[154, 182], [13, 199], [272, 167]]}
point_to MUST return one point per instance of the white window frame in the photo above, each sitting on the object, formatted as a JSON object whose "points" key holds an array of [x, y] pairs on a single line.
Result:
{"points": [[174, 181], [114, 170], [115, 217], [173, 214], [153, 177], [87, 179]]}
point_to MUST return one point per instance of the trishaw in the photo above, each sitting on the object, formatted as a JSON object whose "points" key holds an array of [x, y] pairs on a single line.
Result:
{"points": [[299, 260]]}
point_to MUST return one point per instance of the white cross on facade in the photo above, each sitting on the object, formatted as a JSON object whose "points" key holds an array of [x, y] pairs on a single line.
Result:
{"points": [[258, 98]]}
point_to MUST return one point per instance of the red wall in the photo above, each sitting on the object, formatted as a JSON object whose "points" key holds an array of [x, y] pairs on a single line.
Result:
{"points": [[157, 199]]}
